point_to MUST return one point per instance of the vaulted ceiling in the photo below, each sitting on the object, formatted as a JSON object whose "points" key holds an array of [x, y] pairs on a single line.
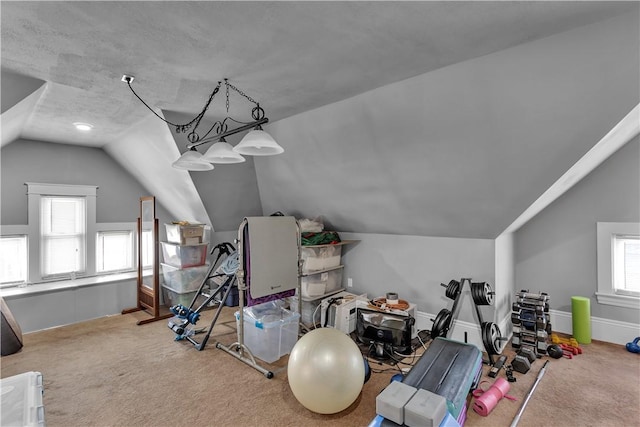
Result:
{"points": [[359, 73]]}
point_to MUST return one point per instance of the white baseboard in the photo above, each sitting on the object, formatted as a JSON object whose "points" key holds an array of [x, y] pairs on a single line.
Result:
{"points": [[607, 330]]}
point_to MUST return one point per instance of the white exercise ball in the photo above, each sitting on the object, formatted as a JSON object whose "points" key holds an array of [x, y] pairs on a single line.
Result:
{"points": [[326, 371]]}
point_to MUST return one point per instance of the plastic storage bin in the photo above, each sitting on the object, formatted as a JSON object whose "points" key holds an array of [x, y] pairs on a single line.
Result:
{"points": [[172, 297], [310, 315], [185, 234], [313, 289], [184, 279], [183, 256], [270, 331], [317, 258], [22, 403], [332, 281]]}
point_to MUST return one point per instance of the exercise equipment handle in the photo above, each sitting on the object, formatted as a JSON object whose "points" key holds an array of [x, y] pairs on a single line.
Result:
{"points": [[526, 400]]}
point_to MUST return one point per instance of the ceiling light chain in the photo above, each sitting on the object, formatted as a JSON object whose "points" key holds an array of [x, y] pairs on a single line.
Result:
{"points": [[255, 143], [180, 128], [229, 85], [257, 113]]}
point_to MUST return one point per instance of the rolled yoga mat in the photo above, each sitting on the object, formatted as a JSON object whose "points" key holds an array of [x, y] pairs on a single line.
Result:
{"points": [[581, 318]]}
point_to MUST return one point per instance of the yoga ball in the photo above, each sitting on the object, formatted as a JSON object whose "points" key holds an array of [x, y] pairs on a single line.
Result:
{"points": [[326, 371]]}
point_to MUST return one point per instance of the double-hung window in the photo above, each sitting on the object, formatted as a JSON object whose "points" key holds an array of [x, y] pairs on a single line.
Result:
{"points": [[62, 226], [63, 235], [618, 252]]}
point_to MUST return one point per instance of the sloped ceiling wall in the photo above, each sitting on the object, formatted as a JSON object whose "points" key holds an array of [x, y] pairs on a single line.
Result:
{"points": [[19, 95], [460, 151]]}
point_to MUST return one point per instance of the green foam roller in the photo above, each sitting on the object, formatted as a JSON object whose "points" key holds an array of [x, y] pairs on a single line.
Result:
{"points": [[581, 318]]}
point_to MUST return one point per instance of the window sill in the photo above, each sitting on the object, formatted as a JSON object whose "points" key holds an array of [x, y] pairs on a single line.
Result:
{"points": [[618, 300], [66, 284]]}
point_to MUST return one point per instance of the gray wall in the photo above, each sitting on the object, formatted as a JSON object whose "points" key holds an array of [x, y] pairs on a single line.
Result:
{"points": [[412, 266], [555, 252], [33, 161], [460, 151]]}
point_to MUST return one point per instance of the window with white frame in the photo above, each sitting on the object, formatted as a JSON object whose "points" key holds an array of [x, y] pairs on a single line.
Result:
{"points": [[13, 260], [62, 235], [114, 251], [64, 240], [618, 252], [626, 265]]}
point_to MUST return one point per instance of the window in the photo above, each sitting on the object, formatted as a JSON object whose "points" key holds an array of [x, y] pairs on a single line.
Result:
{"points": [[618, 252], [13, 260], [626, 265], [114, 251], [62, 235]]}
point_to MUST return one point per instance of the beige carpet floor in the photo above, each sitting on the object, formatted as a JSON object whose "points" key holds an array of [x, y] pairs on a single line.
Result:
{"points": [[110, 372]]}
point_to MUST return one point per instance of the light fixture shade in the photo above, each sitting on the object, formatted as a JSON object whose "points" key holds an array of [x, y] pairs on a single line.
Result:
{"points": [[222, 152], [192, 161], [258, 143]]}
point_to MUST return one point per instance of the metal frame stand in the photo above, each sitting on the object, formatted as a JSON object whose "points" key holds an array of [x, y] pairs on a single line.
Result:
{"points": [[482, 295], [238, 349], [188, 315]]}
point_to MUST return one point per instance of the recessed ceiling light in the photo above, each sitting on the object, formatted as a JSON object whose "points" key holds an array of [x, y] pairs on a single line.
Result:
{"points": [[83, 126]]}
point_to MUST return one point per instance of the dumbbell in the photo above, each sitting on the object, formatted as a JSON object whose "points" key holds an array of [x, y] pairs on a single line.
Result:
{"points": [[633, 347], [515, 341], [523, 360]]}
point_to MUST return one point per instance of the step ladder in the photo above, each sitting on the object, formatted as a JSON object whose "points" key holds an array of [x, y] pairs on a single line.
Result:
{"points": [[216, 286]]}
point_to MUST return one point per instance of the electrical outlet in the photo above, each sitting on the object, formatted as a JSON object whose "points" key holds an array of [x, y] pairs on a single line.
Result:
{"points": [[349, 282]]}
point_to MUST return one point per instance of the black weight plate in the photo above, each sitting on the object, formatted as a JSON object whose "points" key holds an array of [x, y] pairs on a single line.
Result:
{"points": [[491, 337], [486, 337], [482, 293], [453, 289], [441, 323], [474, 293]]}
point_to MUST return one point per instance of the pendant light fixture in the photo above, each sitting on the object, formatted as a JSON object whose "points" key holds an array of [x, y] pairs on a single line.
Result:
{"points": [[222, 152], [192, 160], [256, 142]]}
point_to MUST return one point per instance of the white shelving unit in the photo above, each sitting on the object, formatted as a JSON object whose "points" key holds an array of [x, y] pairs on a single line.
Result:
{"points": [[321, 276]]}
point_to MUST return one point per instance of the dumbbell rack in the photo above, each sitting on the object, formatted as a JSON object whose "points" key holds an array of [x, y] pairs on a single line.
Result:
{"points": [[482, 294], [531, 321]]}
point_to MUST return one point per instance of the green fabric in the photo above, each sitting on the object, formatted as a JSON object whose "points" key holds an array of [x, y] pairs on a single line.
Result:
{"points": [[322, 238]]}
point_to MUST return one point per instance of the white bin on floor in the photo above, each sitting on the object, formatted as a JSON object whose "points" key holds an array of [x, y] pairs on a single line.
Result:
{"points": [[21, 399], [270, 331]]}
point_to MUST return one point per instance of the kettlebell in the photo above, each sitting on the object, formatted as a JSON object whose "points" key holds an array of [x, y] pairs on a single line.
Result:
{"points": [[633, 347], [554, 351]]}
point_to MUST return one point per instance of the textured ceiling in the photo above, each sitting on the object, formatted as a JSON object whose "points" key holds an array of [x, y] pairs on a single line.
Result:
{"points": [[491, 102], [290, 56]]}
